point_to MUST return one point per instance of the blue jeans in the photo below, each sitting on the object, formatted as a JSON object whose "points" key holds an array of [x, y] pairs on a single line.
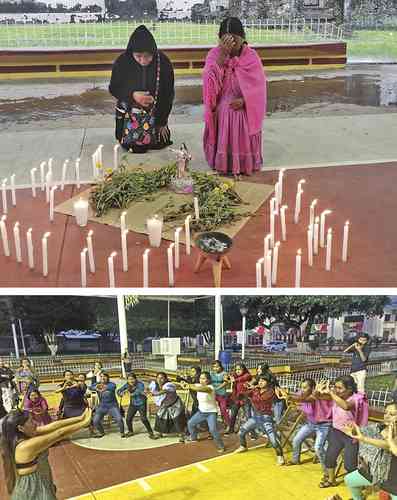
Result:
{"points": [[198, 418], [264, 422], [278, 410], [321, 431], [113, 411]]}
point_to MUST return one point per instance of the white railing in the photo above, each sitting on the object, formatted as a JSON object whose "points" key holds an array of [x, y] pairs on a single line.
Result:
{"points": [[40, 33]]}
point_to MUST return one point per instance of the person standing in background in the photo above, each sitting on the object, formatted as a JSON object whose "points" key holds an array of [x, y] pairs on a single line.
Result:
{"points": [[361, 351]]}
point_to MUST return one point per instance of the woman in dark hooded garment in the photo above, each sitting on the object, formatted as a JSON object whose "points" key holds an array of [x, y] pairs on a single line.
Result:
{"points": [[134, 83]]}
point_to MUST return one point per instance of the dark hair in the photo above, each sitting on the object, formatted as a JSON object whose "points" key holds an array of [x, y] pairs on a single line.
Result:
{"points": [[207, 375], [231, 25], [363, 335], [98, 363], [25, 359], [197, 370], [82, 375], [131, 374], [219, 363], [34, 389], [242, 366], [263, 366], [10, 435], [104, 374], [267, 378], [311, 382], [67, 371], [349, 382]]}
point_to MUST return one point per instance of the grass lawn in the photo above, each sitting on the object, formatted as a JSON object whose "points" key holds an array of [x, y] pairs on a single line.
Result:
{"points": [[380, 383], [373, 44]]}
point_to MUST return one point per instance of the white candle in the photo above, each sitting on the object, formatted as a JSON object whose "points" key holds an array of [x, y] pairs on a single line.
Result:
{"points": [[17, 241], [315, 235], [48, 183], [280, 185], [42, 175], [124, 249], [345, 241], [196, 208], [322, 227], [155, 228], [83, 267], [33, 181], [29, 242], [52, 200], [312, 209], [187, 234], [4, 196], [298, 200], [266, 248], [44, 250], [100, 155], [13, 192], [90, 248], [272, 224], [94, 166], [268, 266], [177, 254], [283, 224], [298, 265], [276, 197], [64, 171], [50, 165], [171, 279], [112, 282], [116, 156], [259, 272], [80, 209], [310, 246], [4, 236], [77, 172], [329, 250], [275, 262], [146, 268], [123, 226]]}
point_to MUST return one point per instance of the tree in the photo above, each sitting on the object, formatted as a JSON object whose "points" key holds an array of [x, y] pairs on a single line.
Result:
{"points": [[296, 310]]}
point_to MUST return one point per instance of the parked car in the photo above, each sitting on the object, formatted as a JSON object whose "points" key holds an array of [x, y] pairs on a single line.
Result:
{"points": [[275, 346]]}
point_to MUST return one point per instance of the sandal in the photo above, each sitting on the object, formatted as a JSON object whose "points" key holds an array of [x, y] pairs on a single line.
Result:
{"points": [[326, 483]]}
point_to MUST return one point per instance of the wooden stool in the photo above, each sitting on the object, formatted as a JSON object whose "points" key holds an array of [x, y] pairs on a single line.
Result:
{"points": [[218, 263]]}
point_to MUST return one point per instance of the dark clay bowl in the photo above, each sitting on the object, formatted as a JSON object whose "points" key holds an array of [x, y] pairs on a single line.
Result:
{"points": [[213, 242]]}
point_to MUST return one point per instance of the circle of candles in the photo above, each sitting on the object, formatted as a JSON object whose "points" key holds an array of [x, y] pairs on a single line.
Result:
{"points": [[315, 235], [171, 279], [177, 254], [322, 227], [196, 208], [187, 234], [268, 265], [275, 262], [124, 249], [310, 246], [283, 223], [90, 248], [4, 236], [146, 268], [312, 209], [80, 209], [298, 268], [345, 241], [17, 241], [4, 196], [29, 243], [155, 228], [13, 192], [83, 267], [112, 281], [33, 181], [77, 172], [329, 250], [44, 249], [259, 272]]}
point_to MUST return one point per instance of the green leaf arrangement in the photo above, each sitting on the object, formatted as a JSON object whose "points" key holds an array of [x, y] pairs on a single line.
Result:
{"points": [[219, 203]]}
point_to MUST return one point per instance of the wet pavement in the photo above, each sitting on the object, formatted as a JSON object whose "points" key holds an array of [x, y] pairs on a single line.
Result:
{"points": [[358, 89]]}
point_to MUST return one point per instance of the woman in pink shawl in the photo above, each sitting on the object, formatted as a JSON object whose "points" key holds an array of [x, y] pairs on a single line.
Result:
{"points": [[234, 91]]}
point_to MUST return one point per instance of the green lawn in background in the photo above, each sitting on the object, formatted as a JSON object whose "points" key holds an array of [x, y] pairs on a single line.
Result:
{"points": [[382, 382]]}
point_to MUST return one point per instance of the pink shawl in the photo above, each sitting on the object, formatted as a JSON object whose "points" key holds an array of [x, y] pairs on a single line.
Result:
{"points": [[251, 77]]}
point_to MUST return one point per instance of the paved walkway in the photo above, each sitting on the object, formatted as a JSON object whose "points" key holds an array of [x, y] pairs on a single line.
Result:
{"points": [[292, 142]]}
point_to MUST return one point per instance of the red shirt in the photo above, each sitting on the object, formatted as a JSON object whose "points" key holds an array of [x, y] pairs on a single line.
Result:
{"points": [[239, 388], [262, 401]]}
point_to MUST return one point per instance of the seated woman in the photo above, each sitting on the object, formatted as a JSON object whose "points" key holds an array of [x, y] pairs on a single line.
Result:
{"points": [[37, 405], [143, 83], [24, 448], [138, 403], [207, 409], [261, 398], [234, 93], [349, 407], [73, 392], [170, 416], [377, 463]]}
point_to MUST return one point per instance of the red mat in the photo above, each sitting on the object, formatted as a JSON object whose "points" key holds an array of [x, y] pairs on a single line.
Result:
{"points": [[362, 194]]}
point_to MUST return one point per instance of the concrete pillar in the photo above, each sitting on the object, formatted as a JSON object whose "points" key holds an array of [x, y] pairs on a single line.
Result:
{"points": [[122, 328]]}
